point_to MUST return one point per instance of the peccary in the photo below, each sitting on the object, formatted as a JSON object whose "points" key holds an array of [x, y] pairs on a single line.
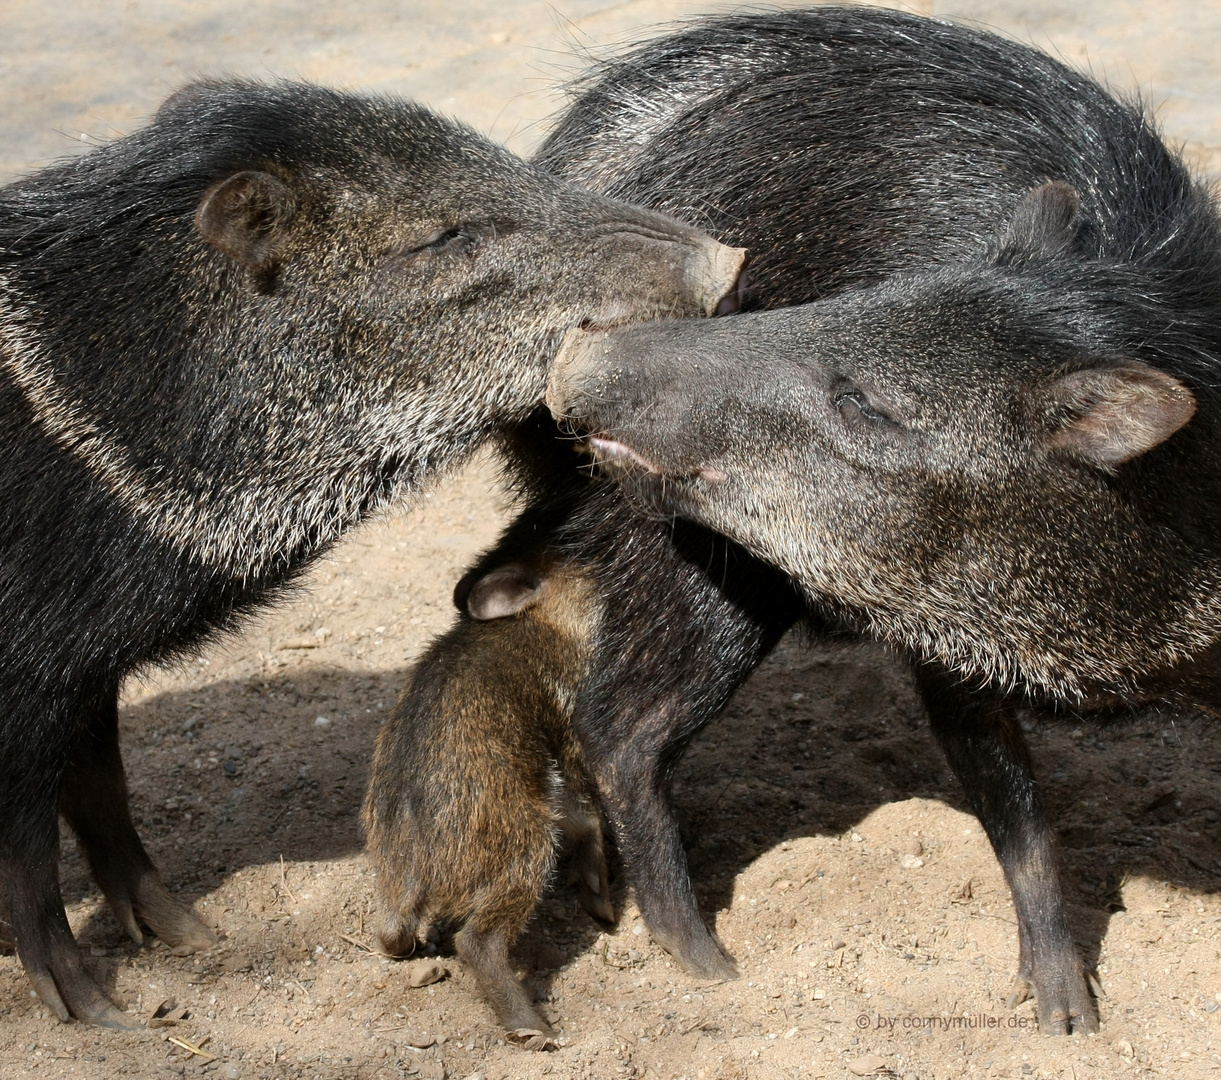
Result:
{"points": [[478, 772], [224, 340], [978, 443]]}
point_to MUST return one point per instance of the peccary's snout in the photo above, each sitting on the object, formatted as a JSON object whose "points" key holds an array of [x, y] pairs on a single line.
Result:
{"points": [[716, 275], [661, 269], [645, 393], [573, 359]]}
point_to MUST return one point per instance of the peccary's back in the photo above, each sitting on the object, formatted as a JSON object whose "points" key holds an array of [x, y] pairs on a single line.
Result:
{"points": [[841, 145]]}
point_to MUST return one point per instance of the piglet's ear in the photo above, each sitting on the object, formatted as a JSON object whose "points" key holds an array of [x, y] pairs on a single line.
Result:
{"points": [[246, 216], [1113, 414], [1045, 222], [505, 591]]}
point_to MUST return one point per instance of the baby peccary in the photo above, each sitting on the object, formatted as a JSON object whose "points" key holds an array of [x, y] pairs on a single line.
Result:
{"points": [[224, 340], [993, 440], [476, 776]]}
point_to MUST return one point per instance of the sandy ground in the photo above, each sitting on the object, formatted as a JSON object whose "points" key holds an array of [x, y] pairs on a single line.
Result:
{"points": [[872, 925]]}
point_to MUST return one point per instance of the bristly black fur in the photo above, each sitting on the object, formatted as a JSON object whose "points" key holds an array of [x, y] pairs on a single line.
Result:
{"points": [[224, 340], [907, 176]]}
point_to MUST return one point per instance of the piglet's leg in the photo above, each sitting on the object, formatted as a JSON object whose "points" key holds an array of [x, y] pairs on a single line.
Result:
{"points": [[94, 803], [984, 745], [486, 952]]}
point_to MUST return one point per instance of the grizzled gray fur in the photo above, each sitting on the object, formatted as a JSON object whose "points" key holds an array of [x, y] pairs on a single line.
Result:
{"points": [[224, 340], [989, 437]]}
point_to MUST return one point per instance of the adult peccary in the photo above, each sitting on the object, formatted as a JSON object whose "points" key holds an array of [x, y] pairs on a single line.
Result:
{"points": [[478, 773], [978, 444], [223, 341]]}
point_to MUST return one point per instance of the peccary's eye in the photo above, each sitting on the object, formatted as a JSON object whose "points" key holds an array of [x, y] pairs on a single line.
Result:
{"points": [[854, 406], [458, 240], [462, 239]]}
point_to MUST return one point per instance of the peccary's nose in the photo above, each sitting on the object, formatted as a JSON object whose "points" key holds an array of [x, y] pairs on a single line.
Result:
{"points": [[731, 302], [716, 276], [570, 361]]}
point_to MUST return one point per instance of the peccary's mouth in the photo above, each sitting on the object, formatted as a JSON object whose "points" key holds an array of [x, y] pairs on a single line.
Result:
{"points": [[620, 456], [613, 452]]}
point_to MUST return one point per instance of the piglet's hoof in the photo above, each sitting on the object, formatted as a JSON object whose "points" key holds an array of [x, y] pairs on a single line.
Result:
{"points": [[531, 1039]]}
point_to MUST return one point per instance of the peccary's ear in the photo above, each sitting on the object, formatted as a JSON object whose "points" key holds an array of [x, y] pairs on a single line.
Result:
{"points": [[1045, 222], [246, 216], [1113, 414], [505, 591]]}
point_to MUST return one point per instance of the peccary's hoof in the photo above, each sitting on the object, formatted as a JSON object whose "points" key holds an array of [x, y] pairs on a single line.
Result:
{"points": [[82, 1000], [174, 922], [1021, 991], [186, 935], [110, 1017], [719, 968], [1064, 1005], [531, 1039], [704, 958], [597, 905]]}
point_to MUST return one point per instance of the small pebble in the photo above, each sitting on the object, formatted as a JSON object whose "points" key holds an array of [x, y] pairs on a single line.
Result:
{"points": [[232, 1072], [323, 722], [867, 1065], [911, 862], [425, 973]]}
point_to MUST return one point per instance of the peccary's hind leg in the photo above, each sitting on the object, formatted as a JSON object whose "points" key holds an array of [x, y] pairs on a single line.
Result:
{"points": [[29, 867], [93, 800], [985, 747], [486, 953]]}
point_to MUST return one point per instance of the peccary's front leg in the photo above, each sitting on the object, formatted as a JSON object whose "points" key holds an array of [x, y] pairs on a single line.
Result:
{"points": [[93, 801], [980, 736], [636, 799], [29, 879], [688, 616]]}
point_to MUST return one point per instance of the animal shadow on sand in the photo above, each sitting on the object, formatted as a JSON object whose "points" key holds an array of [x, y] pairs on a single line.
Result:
{"points": [[240, 773]]}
